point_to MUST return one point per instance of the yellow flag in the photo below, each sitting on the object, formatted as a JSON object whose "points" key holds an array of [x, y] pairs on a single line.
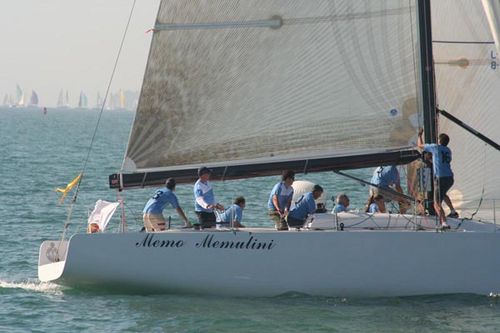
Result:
{"points": [[68, 188]]}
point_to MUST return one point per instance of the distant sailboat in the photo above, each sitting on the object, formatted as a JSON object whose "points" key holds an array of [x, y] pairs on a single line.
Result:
{"points": [[20, 96], [60, 99], [33, 99], [98, 101], [66, 100], [83, 101], [121, 99], [12, 101], [111, 102], [6, 101]]}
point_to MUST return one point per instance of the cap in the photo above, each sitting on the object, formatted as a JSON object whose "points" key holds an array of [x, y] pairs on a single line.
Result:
{"points": [[203, 170]]}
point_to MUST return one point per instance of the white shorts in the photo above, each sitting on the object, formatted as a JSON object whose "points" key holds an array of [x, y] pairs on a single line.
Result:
{"points": [[154, 222]]}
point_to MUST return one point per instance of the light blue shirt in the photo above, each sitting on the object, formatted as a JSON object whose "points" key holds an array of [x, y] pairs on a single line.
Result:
{"points": [[203, 196], [284, 194], [160, 199], [304, 206], [441, 159], [385, 176], [339, 208], [233, 213], [373, 208]]}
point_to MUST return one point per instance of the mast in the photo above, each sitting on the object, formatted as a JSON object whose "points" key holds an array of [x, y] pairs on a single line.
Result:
{"points": [[427, 74], [427, 70]]}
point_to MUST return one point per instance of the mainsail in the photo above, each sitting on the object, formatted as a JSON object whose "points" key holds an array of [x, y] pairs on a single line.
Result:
{"points": [[34, 98], [122, 99], [66, 100], [82, 100], [6, 100], [98, 104], [468, 85], [251, 87], [60, 99], [20, 96]]}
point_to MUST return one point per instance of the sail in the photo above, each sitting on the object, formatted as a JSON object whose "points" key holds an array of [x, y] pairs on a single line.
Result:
{"points": [[60, 99], [258, 84], [98, 104], [122, 99], [20, 96], [468, 82], [82, 100], [6, 100], [66, 99], [111, 102], [34, 98]]}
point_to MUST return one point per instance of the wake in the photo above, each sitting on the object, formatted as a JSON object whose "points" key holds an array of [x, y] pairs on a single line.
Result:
{"points": [[37, 286]]}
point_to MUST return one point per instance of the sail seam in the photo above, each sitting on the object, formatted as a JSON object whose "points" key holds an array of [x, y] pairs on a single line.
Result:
{"points": [[274, 22], [271, 23]]}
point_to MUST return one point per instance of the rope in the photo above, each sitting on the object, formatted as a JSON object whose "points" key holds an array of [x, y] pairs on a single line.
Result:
{"points": [[77, 190]]}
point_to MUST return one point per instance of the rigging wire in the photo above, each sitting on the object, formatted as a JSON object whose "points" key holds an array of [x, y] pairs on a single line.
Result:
{"points": [[77, 189]]}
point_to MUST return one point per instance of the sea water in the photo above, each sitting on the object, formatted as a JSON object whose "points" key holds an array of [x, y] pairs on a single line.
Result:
{"points": [[39, 153]]}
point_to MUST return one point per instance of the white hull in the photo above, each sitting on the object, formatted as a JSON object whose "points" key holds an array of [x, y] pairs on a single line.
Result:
{"points": [[267, 263]]}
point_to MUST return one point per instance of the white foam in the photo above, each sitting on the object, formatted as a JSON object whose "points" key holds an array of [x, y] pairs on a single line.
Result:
{"points": [[35, 285]]}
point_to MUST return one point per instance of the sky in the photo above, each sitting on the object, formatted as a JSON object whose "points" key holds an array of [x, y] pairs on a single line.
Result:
{"points": [[49, 45]]}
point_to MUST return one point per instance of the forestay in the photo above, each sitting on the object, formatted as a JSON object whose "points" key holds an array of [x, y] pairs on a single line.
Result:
{"points": [[468, 85], [257, 84], [492, 11]]}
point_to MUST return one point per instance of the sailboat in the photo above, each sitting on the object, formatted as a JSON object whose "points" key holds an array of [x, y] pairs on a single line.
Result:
{"points": [[19, 96], [60, 100], [316, 86], [111, 102], [6, 101], [33, 99], [83, 100], [66, 100], [98, 104], [121, 97]]}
